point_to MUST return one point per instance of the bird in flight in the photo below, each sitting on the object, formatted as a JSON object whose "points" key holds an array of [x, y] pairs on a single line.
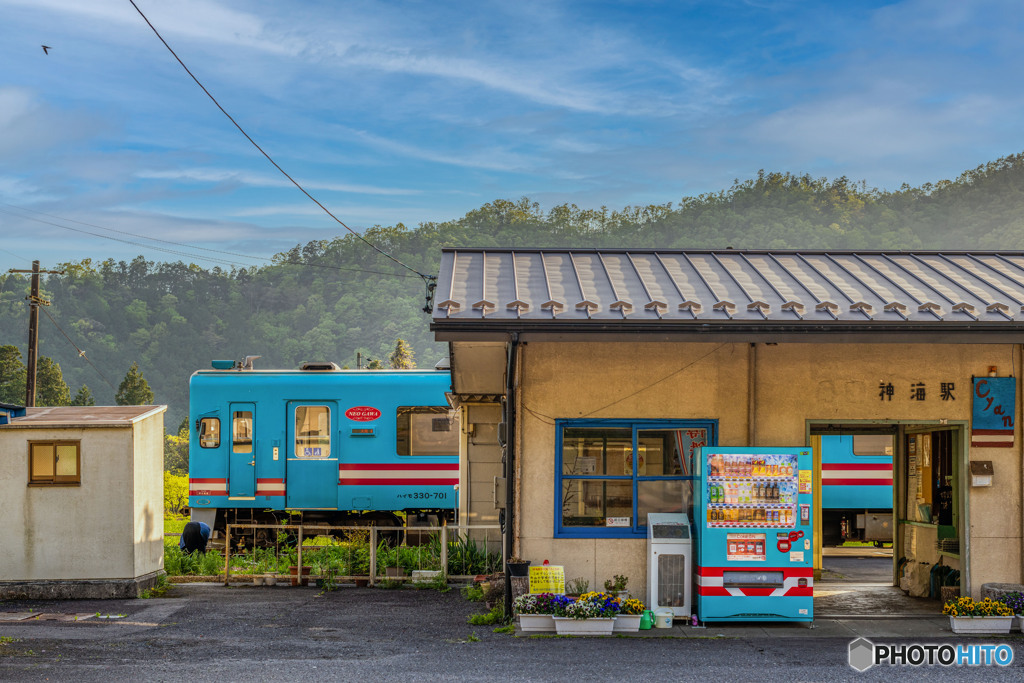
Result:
{"points": [[46, 49]]}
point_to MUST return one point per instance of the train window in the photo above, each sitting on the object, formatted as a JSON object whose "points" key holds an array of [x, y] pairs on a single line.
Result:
{"points": [[209, 432], [241, 431], [872, 444], [427, 430], [312, 431], [54, 463]]}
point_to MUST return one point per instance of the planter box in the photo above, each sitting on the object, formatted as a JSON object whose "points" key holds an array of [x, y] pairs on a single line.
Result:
{"points": [[980, 624], [566, 626], [294, 571], [1018, 623], [518, 569], [536, 623], [627, 623]]}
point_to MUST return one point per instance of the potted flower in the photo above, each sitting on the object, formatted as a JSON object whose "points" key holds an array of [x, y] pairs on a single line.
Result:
{"points": [[1015, 601], [617, 586], [593, 614], [967, 615], [517, 566], [536, 611], [628, 618]]}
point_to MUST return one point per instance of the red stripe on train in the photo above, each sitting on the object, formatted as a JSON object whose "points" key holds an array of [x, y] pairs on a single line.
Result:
{"points": [[856, 482], [419, 467], [397, 481]]}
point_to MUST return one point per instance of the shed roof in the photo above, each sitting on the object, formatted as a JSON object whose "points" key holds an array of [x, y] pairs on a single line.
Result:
{"points": [[83, 416], [890, 295]]}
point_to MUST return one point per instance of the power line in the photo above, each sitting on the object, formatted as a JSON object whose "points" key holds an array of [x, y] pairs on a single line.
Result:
{"points": [[179, 244], [426, 278]]}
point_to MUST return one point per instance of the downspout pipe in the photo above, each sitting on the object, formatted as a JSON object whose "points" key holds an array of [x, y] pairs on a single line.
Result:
{"points": [[510, 449]]}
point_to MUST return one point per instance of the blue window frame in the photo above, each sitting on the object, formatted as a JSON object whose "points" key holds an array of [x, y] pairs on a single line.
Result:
{"points": [[610, 474]]}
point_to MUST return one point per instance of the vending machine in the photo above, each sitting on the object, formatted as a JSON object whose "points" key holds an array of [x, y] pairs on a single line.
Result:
{"points": [[755, 550]]}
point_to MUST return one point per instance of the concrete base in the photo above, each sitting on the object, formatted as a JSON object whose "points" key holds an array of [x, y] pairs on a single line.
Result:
{"points": [[99, 589], [996, 590]]}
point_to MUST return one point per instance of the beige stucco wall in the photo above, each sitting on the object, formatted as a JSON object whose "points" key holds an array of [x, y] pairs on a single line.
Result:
{"points": [[792, 383], [109, 527], [148, 515]]}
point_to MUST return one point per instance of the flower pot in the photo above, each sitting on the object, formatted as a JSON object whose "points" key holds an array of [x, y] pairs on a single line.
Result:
{"points": [[567, 626], [627, 623], [1018, 623], [980, 624], [257, 580], [518, 568], [270, 580], [536, 623], [294, 571], [362, 583]]}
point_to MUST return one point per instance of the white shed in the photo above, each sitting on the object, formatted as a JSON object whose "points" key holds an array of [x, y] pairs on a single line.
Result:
{"points": [[81, 493]]}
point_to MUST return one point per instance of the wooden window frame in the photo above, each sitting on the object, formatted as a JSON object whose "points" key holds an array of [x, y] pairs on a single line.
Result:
{"points": [[56, 479]]}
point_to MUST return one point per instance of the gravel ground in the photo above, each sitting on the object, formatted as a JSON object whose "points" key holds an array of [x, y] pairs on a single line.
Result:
{"points": [[204, 632]]}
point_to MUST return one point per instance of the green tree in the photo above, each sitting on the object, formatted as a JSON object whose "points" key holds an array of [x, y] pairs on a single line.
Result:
{"points": [[402, 357], [176, 450], [175, 493], [83, 397], [12, 375], [51, 389], [134, 390]]}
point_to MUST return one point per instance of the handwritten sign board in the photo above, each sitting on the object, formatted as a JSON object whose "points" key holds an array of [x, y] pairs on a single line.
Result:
{"points": [[547, 579], [992, 411]]}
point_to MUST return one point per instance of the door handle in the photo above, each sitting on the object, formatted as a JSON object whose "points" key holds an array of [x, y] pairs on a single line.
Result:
{"points": [[253, 463]]}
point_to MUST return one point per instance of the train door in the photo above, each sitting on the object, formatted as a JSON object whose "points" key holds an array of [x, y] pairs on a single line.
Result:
{"points": [[242, 459], [312, 465]]}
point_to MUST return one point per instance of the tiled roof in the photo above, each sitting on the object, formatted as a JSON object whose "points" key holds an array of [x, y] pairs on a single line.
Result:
{"points": [[794, 290]]}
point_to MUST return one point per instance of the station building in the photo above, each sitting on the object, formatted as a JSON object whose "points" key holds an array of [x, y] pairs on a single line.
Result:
{"points": [[595, 374]]}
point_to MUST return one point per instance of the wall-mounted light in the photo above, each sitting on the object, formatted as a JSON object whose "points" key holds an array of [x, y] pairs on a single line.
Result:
{"points": [[992, 371]]}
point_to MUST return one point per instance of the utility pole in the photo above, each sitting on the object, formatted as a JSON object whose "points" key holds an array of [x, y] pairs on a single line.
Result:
{"points": [[34, 302]]}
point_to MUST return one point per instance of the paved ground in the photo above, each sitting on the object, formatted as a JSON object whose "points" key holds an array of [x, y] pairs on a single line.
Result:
{"points": [[206, 632]]}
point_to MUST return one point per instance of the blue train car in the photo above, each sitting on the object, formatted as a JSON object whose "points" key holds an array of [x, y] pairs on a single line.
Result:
{"points": [[337, 446], [856, 479]]}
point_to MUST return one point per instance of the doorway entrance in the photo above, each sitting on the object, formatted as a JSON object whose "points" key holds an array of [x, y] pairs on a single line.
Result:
{"points": [[888, 502]]}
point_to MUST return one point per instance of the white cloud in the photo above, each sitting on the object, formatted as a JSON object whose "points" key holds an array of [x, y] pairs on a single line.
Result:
{"points": [[209, 175]]}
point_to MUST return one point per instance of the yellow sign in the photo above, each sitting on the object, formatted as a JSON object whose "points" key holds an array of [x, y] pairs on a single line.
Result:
{"points": [[547, 579], [805, 481]]}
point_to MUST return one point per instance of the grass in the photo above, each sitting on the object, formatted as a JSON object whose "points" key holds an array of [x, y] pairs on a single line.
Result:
{"points": [[495, 616], [173, 524]]}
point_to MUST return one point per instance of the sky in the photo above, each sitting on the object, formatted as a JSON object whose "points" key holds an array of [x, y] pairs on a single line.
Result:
{"points": [[408, 112]]}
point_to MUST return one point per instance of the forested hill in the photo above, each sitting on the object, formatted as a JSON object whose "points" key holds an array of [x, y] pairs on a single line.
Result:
{"points": [[328, 300]]}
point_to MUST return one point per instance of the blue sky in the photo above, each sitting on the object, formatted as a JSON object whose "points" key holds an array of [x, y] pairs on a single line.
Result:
{"points": [[406, 112]]}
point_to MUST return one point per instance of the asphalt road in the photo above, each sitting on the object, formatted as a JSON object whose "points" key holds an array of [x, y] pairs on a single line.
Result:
{"points": [[211, 633]]}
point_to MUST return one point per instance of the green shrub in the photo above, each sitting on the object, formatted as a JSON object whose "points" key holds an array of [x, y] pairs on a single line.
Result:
{"points": [[495, 616]]}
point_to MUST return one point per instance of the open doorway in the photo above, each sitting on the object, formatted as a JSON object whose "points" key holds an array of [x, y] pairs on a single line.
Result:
{"points": [[888, 501]]}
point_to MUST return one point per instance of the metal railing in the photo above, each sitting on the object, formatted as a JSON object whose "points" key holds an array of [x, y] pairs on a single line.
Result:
{"points": [[473, 549]]}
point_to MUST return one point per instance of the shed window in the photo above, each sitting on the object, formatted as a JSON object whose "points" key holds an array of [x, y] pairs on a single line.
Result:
{"points": [[427, 430], [209, 432], [611, 474], [54, 463]]}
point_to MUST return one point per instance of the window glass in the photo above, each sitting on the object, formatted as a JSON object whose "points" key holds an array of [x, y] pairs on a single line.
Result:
{"points": [[43, 460], [658, 452], [592, 451], [872, 444], [313, 431], [67, 460], [597, 502], [54, 463], [662, 495], [427, 430], [209, 432], [241, 431]]}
